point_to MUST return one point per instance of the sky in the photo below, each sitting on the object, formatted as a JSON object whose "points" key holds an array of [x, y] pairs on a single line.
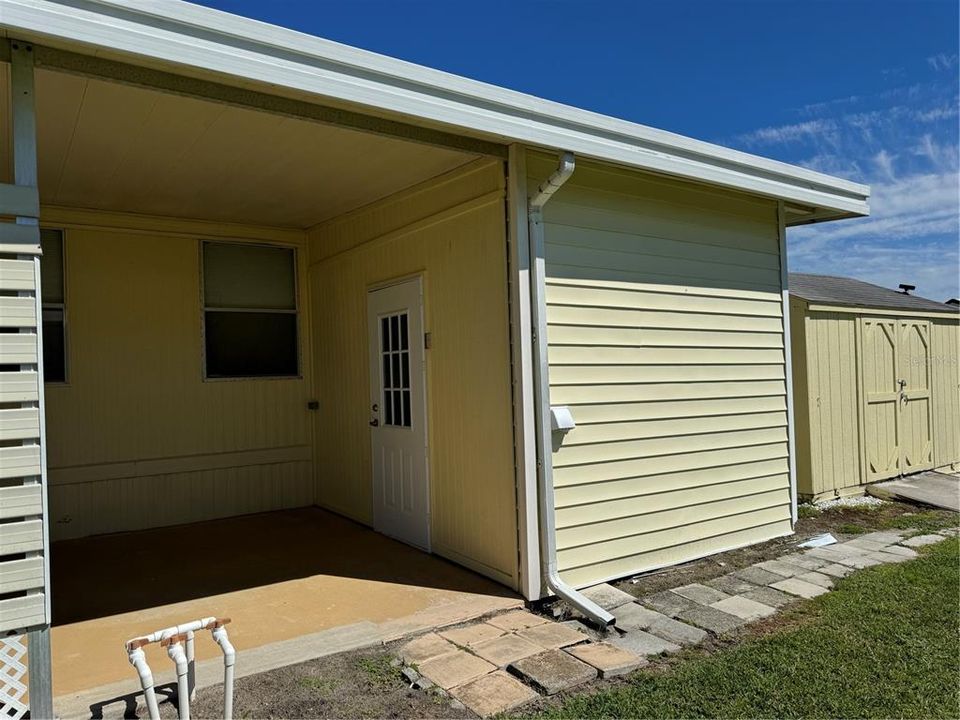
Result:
{"points": [[866, 90]]}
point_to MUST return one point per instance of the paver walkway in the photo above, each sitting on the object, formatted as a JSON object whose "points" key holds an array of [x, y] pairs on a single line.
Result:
{"points": [[511, 659]]}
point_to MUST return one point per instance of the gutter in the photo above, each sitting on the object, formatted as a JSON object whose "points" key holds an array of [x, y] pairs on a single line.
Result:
{"points": [[542, 410]]}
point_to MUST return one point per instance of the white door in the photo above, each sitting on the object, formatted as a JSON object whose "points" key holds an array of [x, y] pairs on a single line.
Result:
{"points": [[398, 416]]}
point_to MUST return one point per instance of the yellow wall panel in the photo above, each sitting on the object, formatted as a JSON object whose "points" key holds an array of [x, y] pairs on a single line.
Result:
{"points": [[451, 230], [666, 340], [135, 402]]}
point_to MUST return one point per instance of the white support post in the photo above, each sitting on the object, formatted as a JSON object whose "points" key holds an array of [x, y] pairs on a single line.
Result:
{"points": [[788, 359], [524, 422], [25, 176]]}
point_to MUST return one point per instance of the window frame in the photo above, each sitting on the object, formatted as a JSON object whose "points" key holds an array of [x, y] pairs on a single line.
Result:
{"points": [[204, 309], [60, 307]]}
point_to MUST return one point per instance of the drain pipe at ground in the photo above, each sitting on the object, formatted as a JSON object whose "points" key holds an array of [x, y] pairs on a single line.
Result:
{"points": [[541, 387]]}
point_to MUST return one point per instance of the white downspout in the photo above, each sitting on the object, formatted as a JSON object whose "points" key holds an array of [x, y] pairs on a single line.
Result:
{"points": [[541, 388]]}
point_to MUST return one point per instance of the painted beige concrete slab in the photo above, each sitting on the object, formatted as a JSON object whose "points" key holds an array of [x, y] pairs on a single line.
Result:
{"points": [[280, 577]]}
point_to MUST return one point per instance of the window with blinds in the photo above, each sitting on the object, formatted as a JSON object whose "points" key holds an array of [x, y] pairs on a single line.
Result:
{"points": [[249, 311]]}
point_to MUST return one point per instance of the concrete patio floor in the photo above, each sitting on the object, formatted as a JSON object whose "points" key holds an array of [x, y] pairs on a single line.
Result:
{"points": [[295, 584]]}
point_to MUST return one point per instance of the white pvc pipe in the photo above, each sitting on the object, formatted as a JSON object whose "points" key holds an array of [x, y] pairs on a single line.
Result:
{"points": [[139, 661], [229, 660], [179, 657], [541, 388], [191, 667]]}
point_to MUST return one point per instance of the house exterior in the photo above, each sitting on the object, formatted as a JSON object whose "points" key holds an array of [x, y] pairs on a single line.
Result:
{"points": [[876, 376], [276, 271]]}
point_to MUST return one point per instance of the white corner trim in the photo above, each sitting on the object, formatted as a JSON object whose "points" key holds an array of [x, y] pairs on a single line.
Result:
{"points": [[788, 361], [175, 34]]}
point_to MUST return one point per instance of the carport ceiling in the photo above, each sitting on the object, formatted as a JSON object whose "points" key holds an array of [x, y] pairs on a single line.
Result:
{"points": [[109, 146]]}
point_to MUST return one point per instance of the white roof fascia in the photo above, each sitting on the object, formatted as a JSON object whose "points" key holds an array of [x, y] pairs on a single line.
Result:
{"points": [[176, 33]]}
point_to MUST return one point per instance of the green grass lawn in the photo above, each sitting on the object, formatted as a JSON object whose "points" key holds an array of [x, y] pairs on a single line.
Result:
{"points": [[883, 644]]}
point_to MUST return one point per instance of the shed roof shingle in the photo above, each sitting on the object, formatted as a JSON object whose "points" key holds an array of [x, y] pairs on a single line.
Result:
{"points": [[835, 290]]}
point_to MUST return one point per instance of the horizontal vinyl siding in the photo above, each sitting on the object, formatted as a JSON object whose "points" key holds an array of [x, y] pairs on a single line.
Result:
{"points": [[666, 340]]}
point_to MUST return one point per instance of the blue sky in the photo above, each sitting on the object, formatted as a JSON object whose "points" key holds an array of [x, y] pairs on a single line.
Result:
{"points": [[865, 90]]}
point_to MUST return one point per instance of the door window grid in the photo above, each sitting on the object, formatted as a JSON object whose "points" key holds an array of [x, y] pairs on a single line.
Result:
{"points": [[395, 370]]}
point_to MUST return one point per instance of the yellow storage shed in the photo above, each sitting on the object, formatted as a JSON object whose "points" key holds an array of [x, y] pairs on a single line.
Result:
{"points": [[876, 381]]}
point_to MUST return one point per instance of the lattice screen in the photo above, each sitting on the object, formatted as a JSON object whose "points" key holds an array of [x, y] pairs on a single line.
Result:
{"points": [[13, 672]]}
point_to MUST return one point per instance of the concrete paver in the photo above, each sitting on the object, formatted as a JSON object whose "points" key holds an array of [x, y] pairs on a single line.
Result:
{"points": [[730, 584], [700, 594], [858, 561], [768, 596], [609, 660], [949, 532], [757, 575], [744, 608], [867, 543], [900, 550], [782, 568], [553, 670], [457, 668], [636, 617], [516, 620], [552, 635], [836, 570], [472, 634], [884, 557], [805, 561], [709, 618], [644, 643], [887, 536], [607, 596], [800, 588], [921, 540], [495, 693], [669, 603], [506, 649], [817, 578], [424, 648]]}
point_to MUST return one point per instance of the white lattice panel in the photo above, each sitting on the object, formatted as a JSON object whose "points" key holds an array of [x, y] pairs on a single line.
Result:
{"points": [[13, 669]]}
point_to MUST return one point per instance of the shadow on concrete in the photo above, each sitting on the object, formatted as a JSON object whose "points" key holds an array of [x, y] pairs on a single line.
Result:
{"points": [[110, 574]]}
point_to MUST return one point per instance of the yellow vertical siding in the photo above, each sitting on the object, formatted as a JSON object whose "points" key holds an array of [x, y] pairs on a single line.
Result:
{"points": [[666, 339], [136, 437], [452, 230], [945, 367], [825, 403], [842, 444]]}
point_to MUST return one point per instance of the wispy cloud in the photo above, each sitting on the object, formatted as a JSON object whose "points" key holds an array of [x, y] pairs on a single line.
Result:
{"points": [[903, 142], [943, 61], [790, 133]]}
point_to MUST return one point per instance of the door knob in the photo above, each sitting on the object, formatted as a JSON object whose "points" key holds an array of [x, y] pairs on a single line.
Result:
{"points": [[375, 422]]}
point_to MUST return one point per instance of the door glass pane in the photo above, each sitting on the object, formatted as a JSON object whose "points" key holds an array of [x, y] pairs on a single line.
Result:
{"points": [[395, 356]]}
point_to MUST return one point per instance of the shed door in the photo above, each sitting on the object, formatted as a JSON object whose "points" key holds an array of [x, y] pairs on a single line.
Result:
{"points": [[895, 372], [398, 416], [881, 397], [915, 403]]}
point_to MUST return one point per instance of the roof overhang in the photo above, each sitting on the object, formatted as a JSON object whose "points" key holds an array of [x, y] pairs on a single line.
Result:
{"points": [[198, 42]]}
